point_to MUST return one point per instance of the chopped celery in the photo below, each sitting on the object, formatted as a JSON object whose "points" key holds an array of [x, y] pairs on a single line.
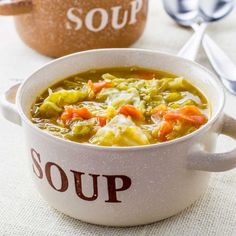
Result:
{"points": [[178, 84], [188, 102], [172, 97], [174, 105], [52, 128], [108, 77]]}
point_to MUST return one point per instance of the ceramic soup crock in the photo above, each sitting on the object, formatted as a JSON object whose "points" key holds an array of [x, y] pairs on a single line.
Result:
{"points": [[122, 186], [56, 28]]}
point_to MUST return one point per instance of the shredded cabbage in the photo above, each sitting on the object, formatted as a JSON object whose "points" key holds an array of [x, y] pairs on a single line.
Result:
{"points": [[120, 98], [120, 131], [83, 128], [55, 101]]}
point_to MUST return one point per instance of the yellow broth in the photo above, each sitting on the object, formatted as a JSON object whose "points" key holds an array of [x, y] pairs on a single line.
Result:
{"points": [[126, 106]]}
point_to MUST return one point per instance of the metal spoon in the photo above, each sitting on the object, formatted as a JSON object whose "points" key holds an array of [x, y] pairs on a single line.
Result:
{"points": [[186, 12], [190, 13], [214, 10]]}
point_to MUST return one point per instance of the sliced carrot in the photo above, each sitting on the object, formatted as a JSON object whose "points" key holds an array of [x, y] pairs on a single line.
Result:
{"points": [[146, 75], [190, 114], [102, 120], [97, 87], [83, 112], [199, 119], [71, 113], [195, 120], [165, 129], [130, 110], [190, 110], [67, 114]]}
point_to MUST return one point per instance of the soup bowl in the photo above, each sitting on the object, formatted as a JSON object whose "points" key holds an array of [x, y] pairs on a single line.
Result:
{"points": [[122, 186]]}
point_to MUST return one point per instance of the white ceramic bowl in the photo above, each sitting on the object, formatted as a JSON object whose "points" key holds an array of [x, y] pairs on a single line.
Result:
{"points": [[122, 186]]}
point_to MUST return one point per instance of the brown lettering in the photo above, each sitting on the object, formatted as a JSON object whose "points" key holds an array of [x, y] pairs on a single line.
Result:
{"points": [[36, 166], [78, 186], [112, 189], [64, 179]]}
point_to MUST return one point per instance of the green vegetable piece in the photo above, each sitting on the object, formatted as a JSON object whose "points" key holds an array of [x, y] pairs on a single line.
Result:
{"points": [[108, 76], [142, 106], [83, 128], [49, 109], [178, 84], [172, 97], [192, 102], [188, 102], [123, 86], [174, 105], [163, 84], [191, 129], [67, 97], [104, 138], [52, 128]]}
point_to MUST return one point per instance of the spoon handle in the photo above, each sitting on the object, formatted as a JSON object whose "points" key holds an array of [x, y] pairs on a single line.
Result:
{"points": [[190, 49], [221, 63]]}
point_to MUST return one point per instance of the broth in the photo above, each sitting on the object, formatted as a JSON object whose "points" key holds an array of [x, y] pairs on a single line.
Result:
{"points": [[127, 106]]}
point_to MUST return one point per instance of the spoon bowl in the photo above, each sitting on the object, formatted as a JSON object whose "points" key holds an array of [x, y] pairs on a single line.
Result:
{"points": [[184, 12], [189, 12], [214, 10]]}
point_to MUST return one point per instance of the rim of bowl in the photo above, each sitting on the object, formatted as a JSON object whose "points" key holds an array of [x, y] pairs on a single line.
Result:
{"points": [[120, 148]]}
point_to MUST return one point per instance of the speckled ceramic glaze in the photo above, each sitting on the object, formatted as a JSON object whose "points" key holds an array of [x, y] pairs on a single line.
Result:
{"points": [[122, 186], [56, 28]]}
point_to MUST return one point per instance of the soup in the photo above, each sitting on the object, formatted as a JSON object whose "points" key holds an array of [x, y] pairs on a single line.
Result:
{"points": [[128, 106]]}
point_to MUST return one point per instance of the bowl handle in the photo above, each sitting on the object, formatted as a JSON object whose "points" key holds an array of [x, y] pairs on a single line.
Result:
{"points": [[15, 7], [216, 162], [8, 106]]}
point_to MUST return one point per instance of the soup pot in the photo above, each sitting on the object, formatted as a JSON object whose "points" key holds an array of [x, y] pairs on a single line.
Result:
{"points": [[56, 28], [122, 186]]}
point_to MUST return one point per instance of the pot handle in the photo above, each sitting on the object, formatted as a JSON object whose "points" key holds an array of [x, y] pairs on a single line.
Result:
{"points": [[216, 162], [15, 7], [8, 106]]}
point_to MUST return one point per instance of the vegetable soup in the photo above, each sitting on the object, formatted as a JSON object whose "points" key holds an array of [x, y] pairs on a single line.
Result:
{"points": [[127, 106]]}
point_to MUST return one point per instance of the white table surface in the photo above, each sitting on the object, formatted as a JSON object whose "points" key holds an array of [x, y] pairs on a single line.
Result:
{"points": [[23, 212]]}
